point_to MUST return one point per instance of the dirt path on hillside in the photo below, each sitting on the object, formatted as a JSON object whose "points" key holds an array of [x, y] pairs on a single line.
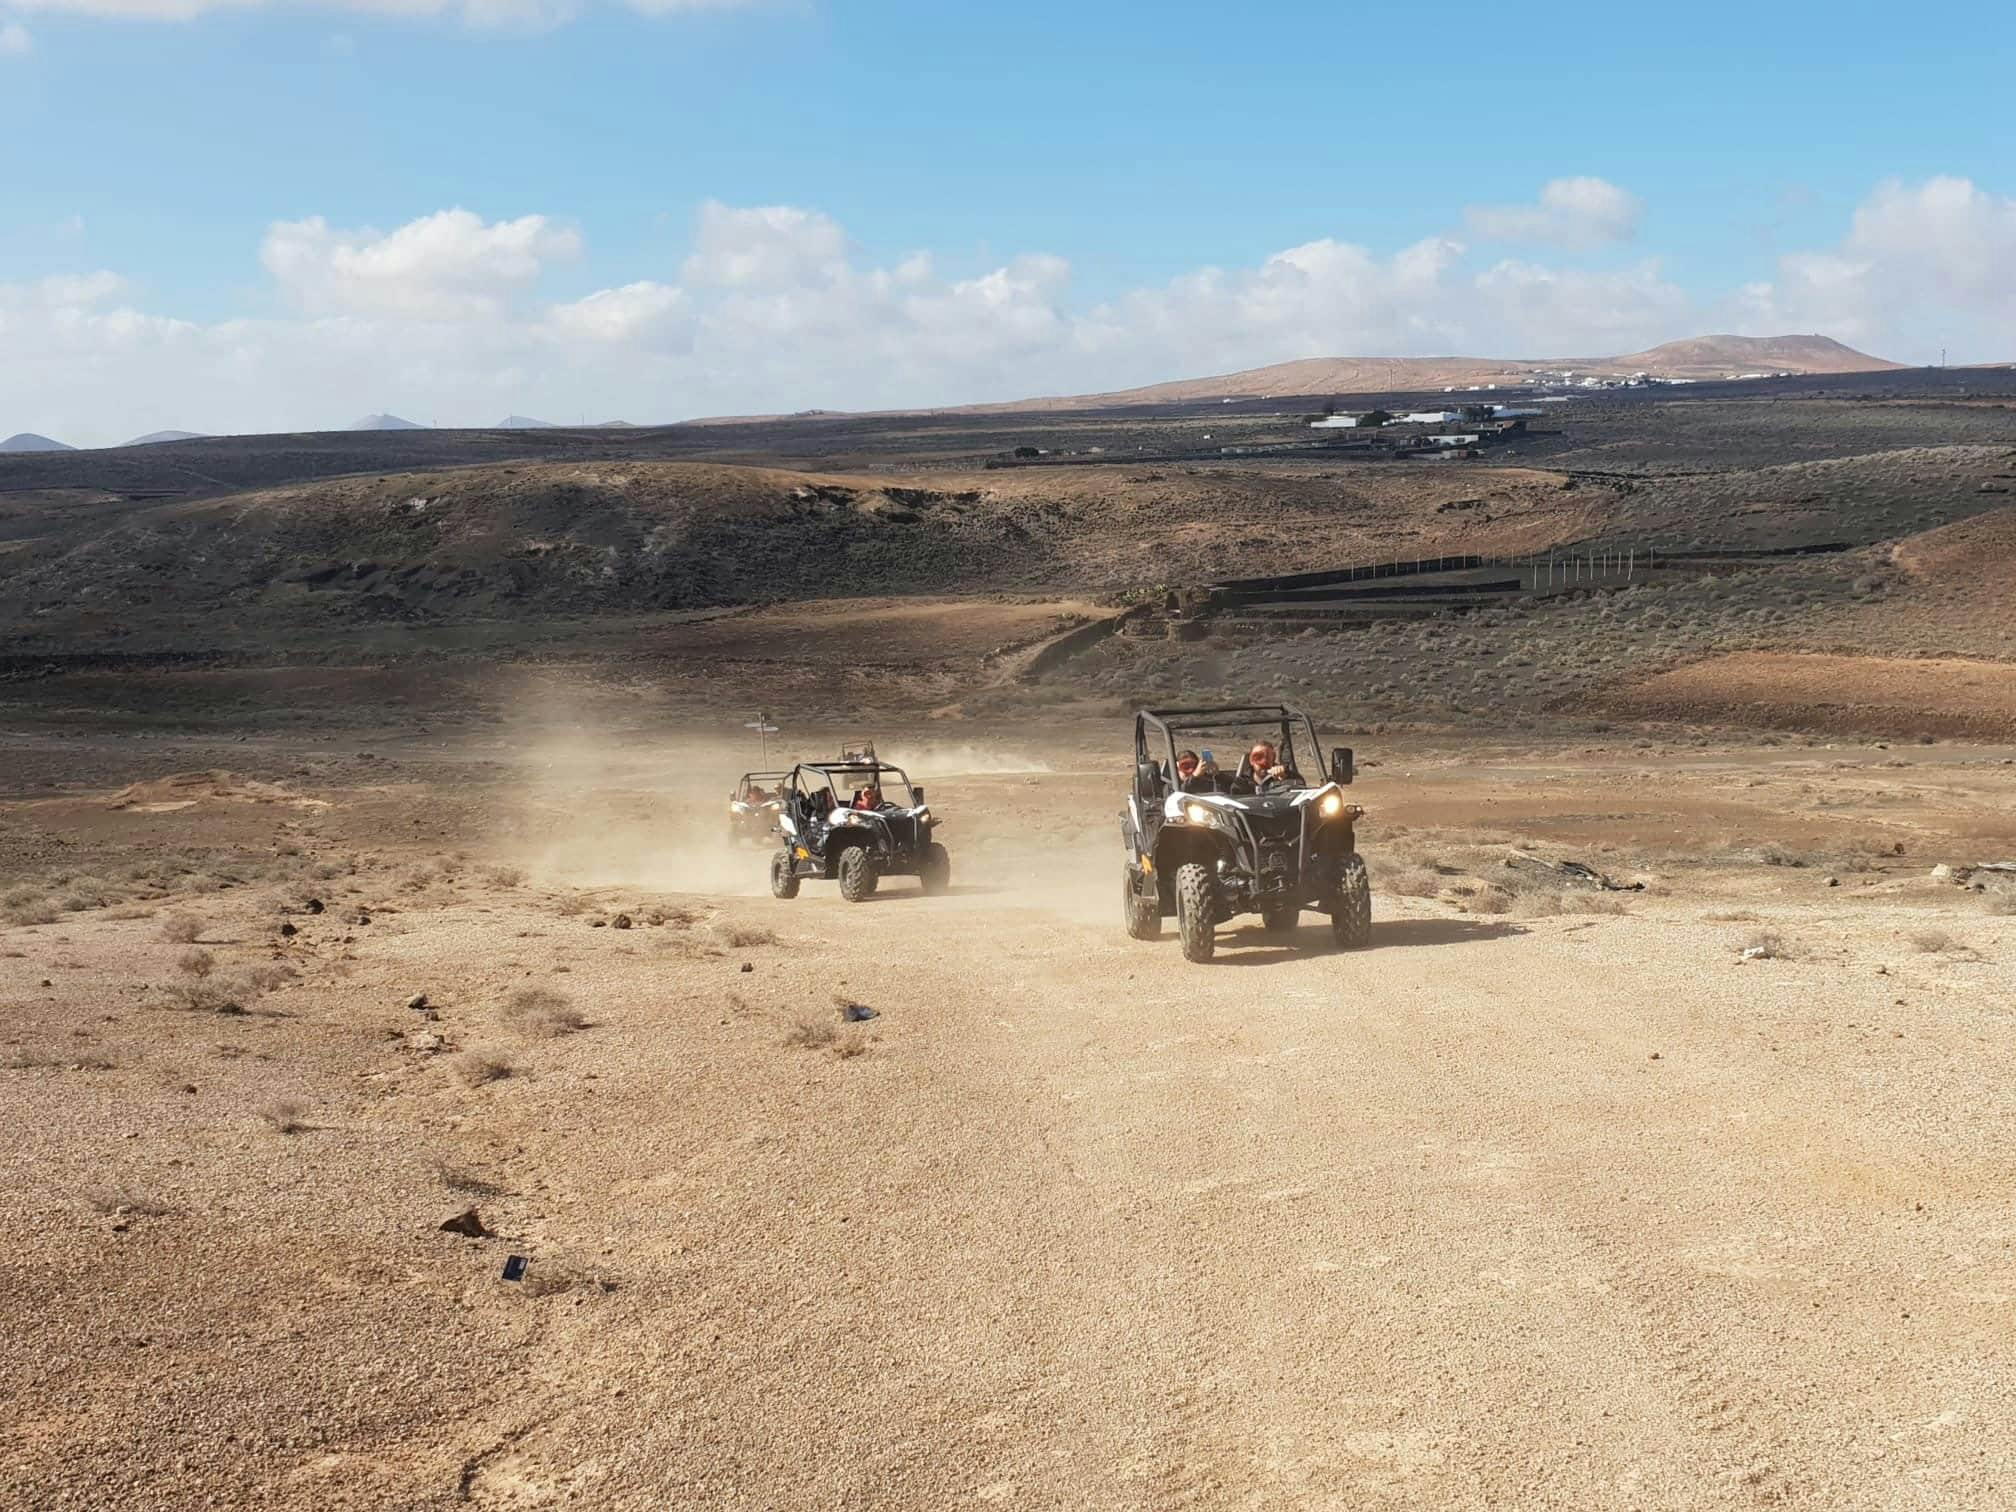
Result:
{"points": [[1552, 1209]]}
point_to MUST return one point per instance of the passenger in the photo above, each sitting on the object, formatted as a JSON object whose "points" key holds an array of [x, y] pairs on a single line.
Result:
{"points": [[1186, 770]]}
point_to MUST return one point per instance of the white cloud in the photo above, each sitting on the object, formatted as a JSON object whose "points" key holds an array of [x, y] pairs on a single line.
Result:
{"points": [[772, 247], [648, 315], [447, 266], [14, 39], [1922, 266], [1571, 212], [776, 308], [509, 15]]}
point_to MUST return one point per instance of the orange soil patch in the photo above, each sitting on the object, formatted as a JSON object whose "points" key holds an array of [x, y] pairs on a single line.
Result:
{"points": [[1943, 696]]}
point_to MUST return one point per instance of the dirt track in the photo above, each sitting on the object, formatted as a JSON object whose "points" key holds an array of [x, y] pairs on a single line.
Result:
{"points": [[1512, 1210]]}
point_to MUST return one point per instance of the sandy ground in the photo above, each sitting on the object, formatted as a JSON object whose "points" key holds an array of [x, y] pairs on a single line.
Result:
{"points": [[1533, 1207]]}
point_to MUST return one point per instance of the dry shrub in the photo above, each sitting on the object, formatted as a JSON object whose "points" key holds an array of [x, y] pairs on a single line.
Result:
{"points": [[1537, 902], [196, 963], [285, 1116], [182, 929], [473, 1068], [209, 997], [1594, 903], [1933, 941], [505, 876], [567, 905], [39, 911], [742, 936], [1731, 916], [1769, 945], [542, 1011], [124, 1202], [268, 977], [811, 1034], [1412, 882], [1485, 900], [461, 1179]]}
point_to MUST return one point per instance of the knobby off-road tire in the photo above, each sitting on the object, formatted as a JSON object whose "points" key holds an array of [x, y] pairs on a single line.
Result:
{"points": [[857, 874], [1280, 918], [783, 882], [1143, 915], [1196, 911], [934, 869], [1351, 905]]}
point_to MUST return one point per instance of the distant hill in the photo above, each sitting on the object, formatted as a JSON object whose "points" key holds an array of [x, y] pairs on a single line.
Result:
{"points": [[1720, 356], [384, 422], [155, 438], [1698, 357], [524, 422], [28, 441]]}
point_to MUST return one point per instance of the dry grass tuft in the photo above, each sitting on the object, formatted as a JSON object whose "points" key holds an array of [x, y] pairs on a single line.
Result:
{"points": [[542, 1011], [1768, 945], [742, 936], [268, 977], [505, 876], [1731, 916], [182, 929], [851, 1044], [124, 1202], [196, 963], [811, 1034], [474, 1068], [461, 1179], [1934, 941], [285, 1116], [28, 905], [209, 997]]}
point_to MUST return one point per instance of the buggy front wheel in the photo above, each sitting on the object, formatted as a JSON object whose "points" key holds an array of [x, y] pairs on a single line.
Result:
{"points": [[1350, 904], [857, 874], [934, 869], [1143, 915], [783, 880], [1196, 911]]}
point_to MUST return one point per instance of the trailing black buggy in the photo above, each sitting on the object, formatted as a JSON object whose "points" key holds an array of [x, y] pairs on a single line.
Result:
{"points": [[1256, 826], [754, 806], [855, 821]]}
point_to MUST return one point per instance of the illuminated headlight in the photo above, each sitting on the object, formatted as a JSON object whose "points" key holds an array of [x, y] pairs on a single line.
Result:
{"points": [[924, 815], [1197, 813], [1330, 805]]}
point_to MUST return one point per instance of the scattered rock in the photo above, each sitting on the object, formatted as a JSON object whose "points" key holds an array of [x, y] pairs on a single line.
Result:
{"points": [[417, 1002], [1654, 1055], [856, 1013], [621, 921], [1942, 873], [746, 966], [1833, 881], [468, 1222], [313, 906], [1755, 953], [426, 1042], [598, 923], [288, 931]]}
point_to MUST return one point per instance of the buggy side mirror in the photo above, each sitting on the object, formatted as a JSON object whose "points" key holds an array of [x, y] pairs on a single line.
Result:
{"points": [[1342, 767], [1147, 779], [917, 793]]}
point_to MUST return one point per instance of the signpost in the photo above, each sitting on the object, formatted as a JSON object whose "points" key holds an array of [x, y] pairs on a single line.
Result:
{"points": [[764, 730]]}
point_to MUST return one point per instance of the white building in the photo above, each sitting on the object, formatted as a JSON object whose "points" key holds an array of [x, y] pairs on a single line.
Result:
{"points": [[1334, 422]]}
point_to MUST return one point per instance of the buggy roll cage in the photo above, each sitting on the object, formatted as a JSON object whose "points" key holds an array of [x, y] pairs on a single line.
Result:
{"points": [[1169, 723]]}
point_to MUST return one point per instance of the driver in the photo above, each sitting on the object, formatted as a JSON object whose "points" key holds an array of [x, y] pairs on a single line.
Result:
{"points": [[1262, 768], [1186, 769], [869, 797]]}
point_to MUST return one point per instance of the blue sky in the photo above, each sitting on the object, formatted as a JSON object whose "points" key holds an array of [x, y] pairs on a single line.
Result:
{"points": [[1126, 148]]}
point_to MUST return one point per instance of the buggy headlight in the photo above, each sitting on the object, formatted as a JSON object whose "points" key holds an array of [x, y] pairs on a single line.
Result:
{"points": [[1197, 813], [1330, 805]]}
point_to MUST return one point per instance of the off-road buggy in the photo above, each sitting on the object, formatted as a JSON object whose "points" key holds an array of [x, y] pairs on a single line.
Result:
{"points": [[855, 821], [753, 807], [1205, 846]]}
